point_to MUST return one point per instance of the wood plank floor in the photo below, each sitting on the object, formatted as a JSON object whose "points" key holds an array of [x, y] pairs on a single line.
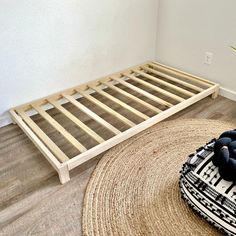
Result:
{"points": [[32, 200]]}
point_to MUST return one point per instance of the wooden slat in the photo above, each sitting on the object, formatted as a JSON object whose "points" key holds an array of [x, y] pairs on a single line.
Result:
{"points": [[136, 99], [79, 123], [59, 128], [155, 88], [169, 85], [171, 78], [91, 114], [140, 127], [121, 103], [39, 132], [143, 92], [108, 109], [184, 74]]}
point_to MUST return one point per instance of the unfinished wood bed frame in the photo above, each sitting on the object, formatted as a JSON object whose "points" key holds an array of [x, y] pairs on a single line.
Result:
{"points": [[185, 88]]}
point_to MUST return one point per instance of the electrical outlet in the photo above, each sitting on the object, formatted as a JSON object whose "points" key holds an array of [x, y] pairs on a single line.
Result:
{"points": [[208, 58]]}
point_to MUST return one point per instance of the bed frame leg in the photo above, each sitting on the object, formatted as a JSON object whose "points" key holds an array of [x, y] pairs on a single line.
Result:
{"points": [[216, 93], [64, 175]]}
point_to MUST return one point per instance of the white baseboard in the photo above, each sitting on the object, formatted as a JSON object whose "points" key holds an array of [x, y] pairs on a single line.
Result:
{"points": [[228, 93], [5, 119]]}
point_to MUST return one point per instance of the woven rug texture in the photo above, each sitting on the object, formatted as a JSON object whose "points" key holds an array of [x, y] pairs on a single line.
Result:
{"points": [[134, 189]]}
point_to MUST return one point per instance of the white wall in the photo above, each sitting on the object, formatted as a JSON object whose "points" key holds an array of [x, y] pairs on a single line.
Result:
{"points": [[189, 28], [50, 45]]}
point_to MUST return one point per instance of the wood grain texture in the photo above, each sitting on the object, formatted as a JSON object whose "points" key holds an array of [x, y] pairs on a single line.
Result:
{"points": [[32, 201]]}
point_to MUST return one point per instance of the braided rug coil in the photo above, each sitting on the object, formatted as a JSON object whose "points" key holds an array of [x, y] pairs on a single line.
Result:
{"points": [[134, 189]]}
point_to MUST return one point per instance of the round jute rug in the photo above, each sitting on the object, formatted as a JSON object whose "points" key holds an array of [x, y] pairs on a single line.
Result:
{"points": [[134, 189]]}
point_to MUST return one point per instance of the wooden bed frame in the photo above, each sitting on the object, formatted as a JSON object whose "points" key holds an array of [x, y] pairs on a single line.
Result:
{"points": [[185, 88]]}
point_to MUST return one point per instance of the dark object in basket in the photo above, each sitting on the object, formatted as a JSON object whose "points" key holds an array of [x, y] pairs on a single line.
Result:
{"points": [[225, 155], [207, 192]]}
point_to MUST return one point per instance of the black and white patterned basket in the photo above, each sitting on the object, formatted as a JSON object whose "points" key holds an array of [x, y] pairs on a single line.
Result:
{"points": [[206, 192]]}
